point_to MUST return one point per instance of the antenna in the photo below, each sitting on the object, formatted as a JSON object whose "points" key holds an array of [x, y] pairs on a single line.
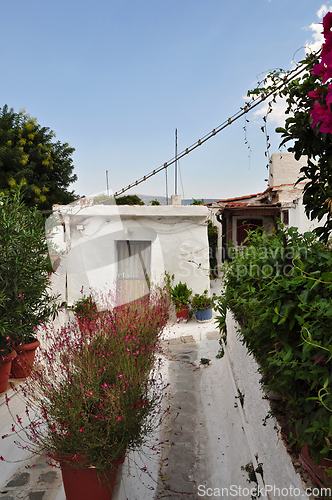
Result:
{"points": [[166, 186], [107, 187], [176, 161]]}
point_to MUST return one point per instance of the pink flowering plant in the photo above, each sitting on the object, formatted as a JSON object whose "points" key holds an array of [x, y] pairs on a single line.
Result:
{"points": [[97, 392]]}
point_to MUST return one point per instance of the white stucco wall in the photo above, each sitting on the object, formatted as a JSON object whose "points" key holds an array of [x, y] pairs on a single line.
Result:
{"points": [[298, 218], [284, 169], [263, 430], [178, 236]]}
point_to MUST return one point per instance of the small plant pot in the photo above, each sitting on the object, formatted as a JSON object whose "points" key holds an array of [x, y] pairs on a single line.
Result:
{"points": [[5, 369], [203, 315], [182, 313], [84, 483], [316, 471], [22, 364]]}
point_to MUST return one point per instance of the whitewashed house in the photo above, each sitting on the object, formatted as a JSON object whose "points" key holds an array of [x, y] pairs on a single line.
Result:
{"points": [[124, 248], [281, 200]]}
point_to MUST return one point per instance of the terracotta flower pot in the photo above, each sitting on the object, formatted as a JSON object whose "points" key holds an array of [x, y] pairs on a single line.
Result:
{"points": [[182, 313], [5, 369], [22, 364], [84, 484], [316, 471]]}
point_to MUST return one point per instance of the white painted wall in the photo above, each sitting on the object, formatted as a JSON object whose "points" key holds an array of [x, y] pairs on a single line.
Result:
{"points": [[284, 169], [263, 433], [178, 236], [298, 218]]}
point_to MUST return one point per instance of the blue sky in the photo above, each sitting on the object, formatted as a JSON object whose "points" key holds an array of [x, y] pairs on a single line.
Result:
{"points": [[115, 78]]}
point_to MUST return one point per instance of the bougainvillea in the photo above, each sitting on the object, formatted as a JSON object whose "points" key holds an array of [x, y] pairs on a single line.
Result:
{"points": [[321, 112], [308, 128]]}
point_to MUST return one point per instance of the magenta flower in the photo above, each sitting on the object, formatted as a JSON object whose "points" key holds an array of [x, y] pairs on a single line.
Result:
{"points": [[317, 114], [327, 46], [327, 25], [328, 98], [326, 126], [318, 69], [315, 94]]}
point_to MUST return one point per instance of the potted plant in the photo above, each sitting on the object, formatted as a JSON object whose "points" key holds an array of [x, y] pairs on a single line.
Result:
{"points": [[86, 311], [25, 270], [202, 305], [180, 294], [98, 394]]}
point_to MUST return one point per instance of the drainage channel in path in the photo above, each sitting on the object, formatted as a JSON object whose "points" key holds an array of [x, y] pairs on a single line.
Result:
{"points": [[200, 449], [181, 449]]}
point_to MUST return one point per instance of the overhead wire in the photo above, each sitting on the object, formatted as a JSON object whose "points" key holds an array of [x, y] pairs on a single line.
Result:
{"points": [[248, 107]]}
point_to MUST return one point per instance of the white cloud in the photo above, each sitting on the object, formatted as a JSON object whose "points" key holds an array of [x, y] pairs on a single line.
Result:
{"points": [[322, 11], [315, 44], [277, 116]]}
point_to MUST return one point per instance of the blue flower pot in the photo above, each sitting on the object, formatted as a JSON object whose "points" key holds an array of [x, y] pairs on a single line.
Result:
{"points": [[203, 315]]}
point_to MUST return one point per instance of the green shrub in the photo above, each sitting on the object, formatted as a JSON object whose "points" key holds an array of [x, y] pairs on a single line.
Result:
{"points": [[279, 288], [26, 298]]}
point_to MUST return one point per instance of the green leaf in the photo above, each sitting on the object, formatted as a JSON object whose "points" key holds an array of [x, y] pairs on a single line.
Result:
{"points": [[289, 354]]}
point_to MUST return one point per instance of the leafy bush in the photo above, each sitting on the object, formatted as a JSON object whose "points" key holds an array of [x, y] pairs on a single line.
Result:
{"points": [[25, 269], [279, 287]]}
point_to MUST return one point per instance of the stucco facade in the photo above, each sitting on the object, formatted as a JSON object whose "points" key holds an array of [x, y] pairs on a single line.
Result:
{"points": [[104, 244]]}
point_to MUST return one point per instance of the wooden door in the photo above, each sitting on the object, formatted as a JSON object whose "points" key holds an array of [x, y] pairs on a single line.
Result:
{"points": [[133, 276]]}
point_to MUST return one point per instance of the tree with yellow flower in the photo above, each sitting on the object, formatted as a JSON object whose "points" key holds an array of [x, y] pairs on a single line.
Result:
{"points": [[30, 155]]}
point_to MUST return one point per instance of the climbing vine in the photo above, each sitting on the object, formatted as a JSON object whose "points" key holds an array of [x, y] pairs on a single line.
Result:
{"points": [[308, 127]]}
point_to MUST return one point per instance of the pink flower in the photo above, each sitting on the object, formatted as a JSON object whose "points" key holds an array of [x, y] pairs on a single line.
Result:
{"points": [[119, 418], [317, 114], [318, 69], [321, 359], [328, 98], [327, 46], [315, 94], [327, 25], [326, 126]]}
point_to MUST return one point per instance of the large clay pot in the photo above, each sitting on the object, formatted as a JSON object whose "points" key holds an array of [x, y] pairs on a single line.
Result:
{"points": [[5, 369], [84, 484], [22, 364]]}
